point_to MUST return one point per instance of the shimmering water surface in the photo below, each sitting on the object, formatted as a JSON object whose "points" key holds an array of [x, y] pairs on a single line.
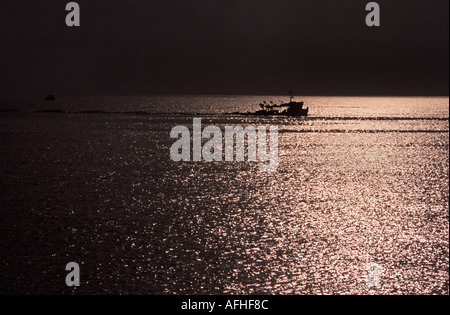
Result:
{"points": [[363, 180]]}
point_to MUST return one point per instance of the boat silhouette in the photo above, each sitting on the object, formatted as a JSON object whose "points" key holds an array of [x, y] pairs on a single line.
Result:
{"points": [[292, 109]]}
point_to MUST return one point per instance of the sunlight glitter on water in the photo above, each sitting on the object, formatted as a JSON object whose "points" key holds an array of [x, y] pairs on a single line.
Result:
{"points": [[102, 190]]}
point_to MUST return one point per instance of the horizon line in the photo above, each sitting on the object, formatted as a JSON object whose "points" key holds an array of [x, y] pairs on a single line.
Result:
{"points": [[214, 94]]}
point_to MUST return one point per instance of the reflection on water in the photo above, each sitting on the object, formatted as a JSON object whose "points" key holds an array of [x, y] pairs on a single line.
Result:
{"points": [[375, 107], [101, 190]]}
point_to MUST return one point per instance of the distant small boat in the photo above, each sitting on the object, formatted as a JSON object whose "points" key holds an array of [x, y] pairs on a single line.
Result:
{"points": [[292, 109], [50, 98]]}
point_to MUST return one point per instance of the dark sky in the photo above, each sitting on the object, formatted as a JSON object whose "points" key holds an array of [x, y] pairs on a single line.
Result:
{"points": [[317, 47]]}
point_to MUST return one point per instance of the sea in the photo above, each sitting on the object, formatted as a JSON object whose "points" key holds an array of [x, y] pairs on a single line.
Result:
{"points": [[359, 203]]}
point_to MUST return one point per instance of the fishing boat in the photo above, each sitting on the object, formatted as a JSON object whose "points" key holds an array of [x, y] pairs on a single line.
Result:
{"points": [[292, 109]]}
